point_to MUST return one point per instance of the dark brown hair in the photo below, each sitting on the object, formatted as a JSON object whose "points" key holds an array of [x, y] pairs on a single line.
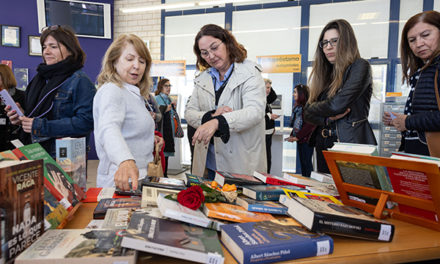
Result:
{"points": [[160, 85], [7, 76], [410, 62], [329, 76], [237, 52], [65, 36], [303, 94]]}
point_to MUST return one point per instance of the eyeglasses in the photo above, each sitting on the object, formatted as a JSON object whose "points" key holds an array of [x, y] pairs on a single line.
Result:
{"points": [[167, 85], [213, 49], [333, 42], [53, 27]]}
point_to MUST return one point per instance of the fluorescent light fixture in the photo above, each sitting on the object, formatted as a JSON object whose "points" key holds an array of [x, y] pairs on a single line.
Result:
{"points": [[220, 2], [367, 16], [179, 5]]}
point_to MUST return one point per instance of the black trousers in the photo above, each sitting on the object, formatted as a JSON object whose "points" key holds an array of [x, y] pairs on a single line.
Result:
{"points": [[269, 152]]}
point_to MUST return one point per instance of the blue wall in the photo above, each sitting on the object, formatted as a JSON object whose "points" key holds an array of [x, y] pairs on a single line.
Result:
{"points": [[23, 13]]}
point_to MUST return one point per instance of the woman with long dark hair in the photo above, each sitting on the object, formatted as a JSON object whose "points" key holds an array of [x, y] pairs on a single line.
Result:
{"points": [[340, 91]]}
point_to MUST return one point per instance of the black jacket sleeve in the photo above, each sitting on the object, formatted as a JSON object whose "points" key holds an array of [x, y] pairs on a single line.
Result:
{"points": [[357, 79]]}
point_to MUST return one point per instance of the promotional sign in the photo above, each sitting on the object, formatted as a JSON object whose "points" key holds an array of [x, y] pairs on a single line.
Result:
{"points": [[280, 63], [168, 68]]}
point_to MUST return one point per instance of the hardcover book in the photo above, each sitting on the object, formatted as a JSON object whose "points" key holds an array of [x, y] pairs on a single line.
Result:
{"points": [[267, 192], [269, 207], [162, 182], [21, 206], [222, 177], [233, 213], [322, 177], [105, 204], [367, 175], [331, 218], [174, 210], [71, 156], [96, 194], [68, 192], [275, 180], [273, 241], [78, 246], [295, 178], [174, 239]]}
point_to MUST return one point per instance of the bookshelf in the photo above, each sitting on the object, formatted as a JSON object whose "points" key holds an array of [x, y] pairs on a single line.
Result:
{"points": [[379, 210]]}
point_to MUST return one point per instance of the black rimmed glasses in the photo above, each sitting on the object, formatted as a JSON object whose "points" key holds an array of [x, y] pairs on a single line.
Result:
{"points": [[213, 49], [324, 44]]}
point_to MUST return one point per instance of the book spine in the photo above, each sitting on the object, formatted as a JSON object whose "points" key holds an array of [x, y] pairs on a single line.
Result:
{"points": [[274, 181], [265, 209], [357, 228], [267, 196]]}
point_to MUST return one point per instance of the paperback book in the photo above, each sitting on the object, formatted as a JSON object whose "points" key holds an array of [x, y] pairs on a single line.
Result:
{"points": [[78, 246], [322, 177], [21, 206], [96, 194], [273, 241], [7, 155], [174, 239], [118, 218], [162, 182], [268, 192], [364, 149], [367, 175], [176, 211], [105, 204], [71, 156], [331, 218], [314, 196], [270, 207], [275, 180], [222, 177], [233, 213]]}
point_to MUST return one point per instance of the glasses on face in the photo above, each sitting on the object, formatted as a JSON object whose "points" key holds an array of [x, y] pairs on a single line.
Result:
{"points": [[212, 49], [167, 85], [333, 42]]}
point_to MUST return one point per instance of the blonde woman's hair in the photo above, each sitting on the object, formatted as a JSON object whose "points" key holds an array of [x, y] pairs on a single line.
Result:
{"points": [[327, 76], [267, 81], [108, 71]]}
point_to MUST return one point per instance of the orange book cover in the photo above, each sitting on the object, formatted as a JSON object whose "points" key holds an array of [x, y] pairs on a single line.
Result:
{"points": [[234, 213]]}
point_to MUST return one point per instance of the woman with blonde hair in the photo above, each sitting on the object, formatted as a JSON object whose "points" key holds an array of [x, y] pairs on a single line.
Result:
{"points": [[124, 128], [340, 91]]}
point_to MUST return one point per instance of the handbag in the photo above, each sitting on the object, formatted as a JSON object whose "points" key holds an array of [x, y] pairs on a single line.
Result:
{"points": [[178, 131], [433, 137], [155, 167]]}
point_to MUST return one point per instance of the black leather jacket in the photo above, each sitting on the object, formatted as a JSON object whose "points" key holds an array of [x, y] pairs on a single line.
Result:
{"points": [[355, 94]]}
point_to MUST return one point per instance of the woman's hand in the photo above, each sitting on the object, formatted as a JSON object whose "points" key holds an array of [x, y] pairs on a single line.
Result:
{"points": [[336, 117], [168, 108], [387, 119], [12, 114], [205, 132], [399, 122], [158, 141], [26, 124], [153, 115], [274, 116], [221, 110], [291, 139], [127, 169]]}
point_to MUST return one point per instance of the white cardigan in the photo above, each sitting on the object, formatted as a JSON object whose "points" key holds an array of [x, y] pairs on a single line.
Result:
{"points": [[124, 129]]}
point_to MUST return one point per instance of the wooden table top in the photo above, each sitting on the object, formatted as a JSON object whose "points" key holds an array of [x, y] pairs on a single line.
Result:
{"points": [[410, 243]]}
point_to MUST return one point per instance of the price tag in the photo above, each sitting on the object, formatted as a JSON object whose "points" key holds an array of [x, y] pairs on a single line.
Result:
{"points": [[385, 232], [215, 258], [65, 203], [322, 248]]}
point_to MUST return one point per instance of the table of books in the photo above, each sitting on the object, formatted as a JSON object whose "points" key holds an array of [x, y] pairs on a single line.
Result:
{"points": [[411, 243]]}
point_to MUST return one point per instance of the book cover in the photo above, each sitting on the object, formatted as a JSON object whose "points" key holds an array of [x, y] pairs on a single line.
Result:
{"points": [[322, 177], [21, 206], [118, 218], [299, 179], [223, 177], [331, 218], [233, 213], [364, 149], [54, 212], [308, 195], [415, 184], [275, 180], [174, 239], [270, 207], [192, 180], [96, 194], [267, 192], [55, 177], [150, 193], [105, 204], [162, 182], [174, 210], [71, 156], [367, 175], [78, 246], [273, 241], [7, 155]]}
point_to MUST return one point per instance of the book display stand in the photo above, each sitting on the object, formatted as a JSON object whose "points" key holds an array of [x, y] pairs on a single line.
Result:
{"points": [[69, 217], [379, 210]]}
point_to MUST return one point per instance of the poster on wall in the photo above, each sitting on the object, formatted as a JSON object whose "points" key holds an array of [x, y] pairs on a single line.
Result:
{"points": [[10, 36], [7, 62], [22, 77]]}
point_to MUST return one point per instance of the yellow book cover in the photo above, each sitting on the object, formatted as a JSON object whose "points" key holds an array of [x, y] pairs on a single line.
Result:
{"points": [[234, 213], [314, 196]]}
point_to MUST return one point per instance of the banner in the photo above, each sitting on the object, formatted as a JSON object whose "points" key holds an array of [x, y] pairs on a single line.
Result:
{"points": [[280, 63], [168, 68]]}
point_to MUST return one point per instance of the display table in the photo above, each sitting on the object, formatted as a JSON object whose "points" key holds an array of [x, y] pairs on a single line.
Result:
{"points": [[410, 243]]}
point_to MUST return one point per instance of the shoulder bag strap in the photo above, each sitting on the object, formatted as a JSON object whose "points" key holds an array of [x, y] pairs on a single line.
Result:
{"points": [[436, 89]]}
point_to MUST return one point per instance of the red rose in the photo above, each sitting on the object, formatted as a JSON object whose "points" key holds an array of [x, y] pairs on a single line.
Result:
{"points": [[192, 197]]}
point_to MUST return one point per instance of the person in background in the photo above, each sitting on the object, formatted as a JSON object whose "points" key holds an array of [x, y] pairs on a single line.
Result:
{"points": [[189, 134], [124, 127], [420, 57], [153, 108], [301, 130], [271, 96], [227, 104], [8, 131], [58, 100], [340, 91], [167, 108]]}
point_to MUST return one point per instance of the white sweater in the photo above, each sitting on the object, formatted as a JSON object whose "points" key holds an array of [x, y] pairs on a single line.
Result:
{"points": [[124, 129]]}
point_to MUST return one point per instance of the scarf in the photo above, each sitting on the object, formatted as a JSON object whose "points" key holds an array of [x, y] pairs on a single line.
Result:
{"points": [[42, 89]]}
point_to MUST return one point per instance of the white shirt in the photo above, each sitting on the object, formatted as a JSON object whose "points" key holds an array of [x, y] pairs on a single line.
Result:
{"points": [[124, 130]]}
